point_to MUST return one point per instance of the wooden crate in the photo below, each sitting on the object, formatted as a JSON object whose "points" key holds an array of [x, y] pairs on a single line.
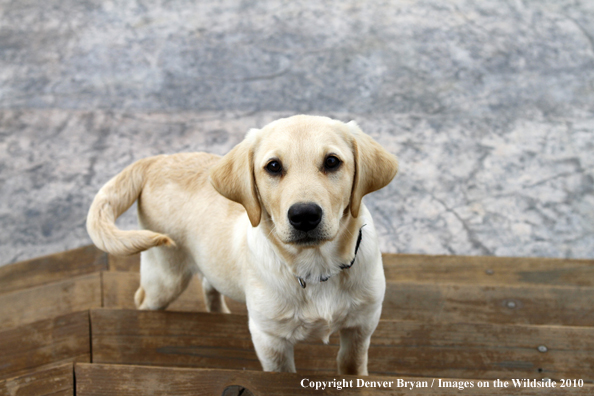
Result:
{"points": [[456, 350], [68, 319]]}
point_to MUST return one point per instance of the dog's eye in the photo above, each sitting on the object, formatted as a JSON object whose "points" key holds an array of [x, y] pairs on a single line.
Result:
{"points": [[274, 167], [331, 162]]}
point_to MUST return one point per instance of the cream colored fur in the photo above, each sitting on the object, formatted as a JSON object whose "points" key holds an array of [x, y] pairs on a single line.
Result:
{"points": [[225, 219]]}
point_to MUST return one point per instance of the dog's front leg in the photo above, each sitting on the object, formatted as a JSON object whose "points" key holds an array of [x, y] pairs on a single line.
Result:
{"points": [[275, 353], [352, 356]]}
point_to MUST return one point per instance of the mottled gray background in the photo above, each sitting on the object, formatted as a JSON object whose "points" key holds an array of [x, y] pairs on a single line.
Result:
{"points": [[489, 104]]}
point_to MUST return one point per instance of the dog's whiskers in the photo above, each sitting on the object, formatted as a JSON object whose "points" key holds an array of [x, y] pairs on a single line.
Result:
{"points": [[272, 229], [350, 233]]}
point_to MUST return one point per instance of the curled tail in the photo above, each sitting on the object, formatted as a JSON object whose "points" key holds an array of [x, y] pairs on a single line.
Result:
{"points": [[111, 201]]}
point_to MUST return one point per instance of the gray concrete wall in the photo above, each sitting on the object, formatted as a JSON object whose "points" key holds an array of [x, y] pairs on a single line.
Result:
{"points": [[488, 104]]}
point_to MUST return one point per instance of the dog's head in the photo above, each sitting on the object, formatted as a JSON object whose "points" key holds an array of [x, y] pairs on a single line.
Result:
{"points": [[303, 174]]}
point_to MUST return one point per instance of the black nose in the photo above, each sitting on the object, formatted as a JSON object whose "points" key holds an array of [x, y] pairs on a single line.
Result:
{"points": [[305, 216]]}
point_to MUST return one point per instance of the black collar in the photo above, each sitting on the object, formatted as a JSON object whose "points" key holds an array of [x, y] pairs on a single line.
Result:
{"points": [[342, 266]]}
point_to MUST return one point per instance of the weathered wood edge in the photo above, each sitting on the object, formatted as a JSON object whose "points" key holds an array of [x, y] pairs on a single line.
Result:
{"points": [[55, 379], [52, 268], [24, 306], [218, 341], [105, 379], [44, 343]]}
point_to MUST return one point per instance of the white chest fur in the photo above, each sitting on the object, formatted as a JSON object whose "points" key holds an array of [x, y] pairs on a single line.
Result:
{"points": [[281, 307]]}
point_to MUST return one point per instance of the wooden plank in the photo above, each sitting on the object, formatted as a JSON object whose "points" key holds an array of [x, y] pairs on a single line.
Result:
{"points": [[119, 289], [124, 263], [484, 270], [536, 305], [488, 270], [61, 339], [52, 268], [471, 350], [398, 347], [162, 338], [43, 302], [523, 295], [54, 381], [101, 379], [419, 301]]}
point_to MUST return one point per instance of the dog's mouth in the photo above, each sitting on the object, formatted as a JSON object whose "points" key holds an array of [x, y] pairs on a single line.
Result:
{"points": [[307, 241], [312, 238]]}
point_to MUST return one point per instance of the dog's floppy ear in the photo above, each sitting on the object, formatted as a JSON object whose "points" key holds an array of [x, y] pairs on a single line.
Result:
{"points": [[374, 166], [233, 177]]}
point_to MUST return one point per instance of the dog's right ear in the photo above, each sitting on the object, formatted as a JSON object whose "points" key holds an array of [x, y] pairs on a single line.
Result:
{"points": [[233, 177]]}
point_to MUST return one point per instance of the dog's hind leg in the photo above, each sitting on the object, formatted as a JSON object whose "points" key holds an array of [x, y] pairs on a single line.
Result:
{"points": [[215, 302], [164, 274]]}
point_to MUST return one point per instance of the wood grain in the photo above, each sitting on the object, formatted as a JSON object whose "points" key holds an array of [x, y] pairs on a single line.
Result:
{"points": [[54, 381], [398, 347], [52, 268], [488, 270], [440, 303], [50, 300], [447, 289], [479, 350], [484, 270], [61, 339], [119, 289], [101, 379], [419, 301], [172, 338], [124, 263]]}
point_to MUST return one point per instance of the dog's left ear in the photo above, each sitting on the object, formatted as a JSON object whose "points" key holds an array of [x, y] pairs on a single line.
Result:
{"points": [[374, 167], [233, 177]]}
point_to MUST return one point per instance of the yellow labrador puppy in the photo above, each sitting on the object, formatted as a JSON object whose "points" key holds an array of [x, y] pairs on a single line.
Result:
{"points": [[277, 223]]}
